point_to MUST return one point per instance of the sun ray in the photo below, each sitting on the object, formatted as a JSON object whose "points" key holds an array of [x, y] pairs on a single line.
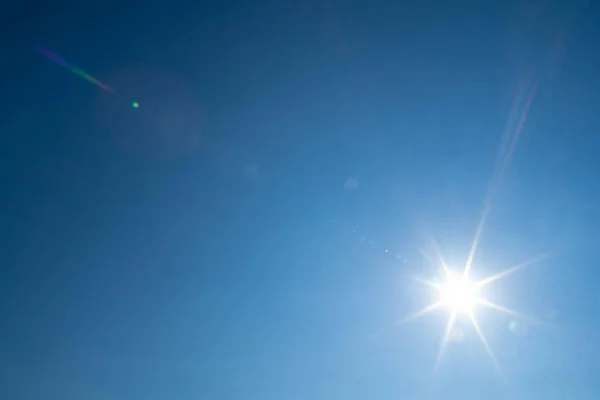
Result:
{"points": [[514, 313], [486, 344], [498, 178], [427, 282], [511, 270], [410, 318], [475, 244], [421, 313], [438, 254], [495, 306], [447, 332]]}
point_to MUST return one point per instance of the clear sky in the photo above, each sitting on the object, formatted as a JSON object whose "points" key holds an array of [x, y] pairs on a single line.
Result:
{"points": [[252, 229]]}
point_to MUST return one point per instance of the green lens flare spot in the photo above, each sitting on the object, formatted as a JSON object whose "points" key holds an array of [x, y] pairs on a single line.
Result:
{"points": [[135, 104]]}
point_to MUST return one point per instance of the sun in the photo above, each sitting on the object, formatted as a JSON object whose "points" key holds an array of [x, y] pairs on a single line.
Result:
{"points": [[459, 294]]}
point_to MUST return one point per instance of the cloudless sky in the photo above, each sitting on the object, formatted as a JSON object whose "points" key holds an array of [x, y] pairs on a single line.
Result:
{"points": [[250, 232]]}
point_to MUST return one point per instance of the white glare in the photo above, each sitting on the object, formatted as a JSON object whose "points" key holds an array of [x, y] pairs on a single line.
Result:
{"points": [[460, 295]]}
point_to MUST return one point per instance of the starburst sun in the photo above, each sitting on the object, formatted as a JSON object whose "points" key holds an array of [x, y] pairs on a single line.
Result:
{"points": [[461, 295]]}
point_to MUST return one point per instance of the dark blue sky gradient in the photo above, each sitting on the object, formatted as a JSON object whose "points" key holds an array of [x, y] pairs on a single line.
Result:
{"points": [[205, 245]]}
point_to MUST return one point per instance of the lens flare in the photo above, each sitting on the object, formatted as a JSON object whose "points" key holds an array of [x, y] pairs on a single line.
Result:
{"points": [[75, 70], [55, 58]]}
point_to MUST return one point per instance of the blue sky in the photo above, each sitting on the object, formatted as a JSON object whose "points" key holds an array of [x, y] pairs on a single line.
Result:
{"points": [[209, 244]]}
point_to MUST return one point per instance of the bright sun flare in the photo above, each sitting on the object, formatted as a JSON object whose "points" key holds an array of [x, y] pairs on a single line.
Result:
{"points": [[460, 295]]}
